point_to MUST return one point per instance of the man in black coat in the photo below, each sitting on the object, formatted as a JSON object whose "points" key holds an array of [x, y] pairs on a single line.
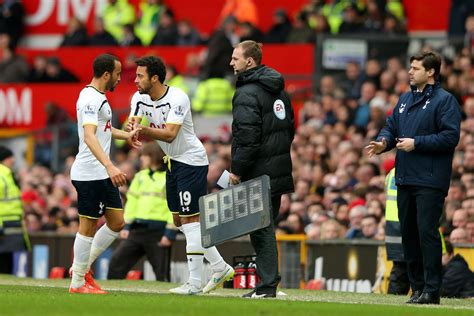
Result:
{"points": [[262, 131], [458, 279], [425, 129]]}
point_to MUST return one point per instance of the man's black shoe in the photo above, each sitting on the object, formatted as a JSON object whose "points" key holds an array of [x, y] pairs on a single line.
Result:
{"points": [[414, 296], [428, 298], [261, 293]]}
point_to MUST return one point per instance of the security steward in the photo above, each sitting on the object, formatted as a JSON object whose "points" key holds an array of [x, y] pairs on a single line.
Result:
{"points": [[13, 236], [149, 228], [398, 283]]}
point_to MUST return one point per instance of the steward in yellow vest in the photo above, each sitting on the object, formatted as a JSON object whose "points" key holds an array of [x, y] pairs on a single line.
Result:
{"points": [[149, 228], [13, 236]]}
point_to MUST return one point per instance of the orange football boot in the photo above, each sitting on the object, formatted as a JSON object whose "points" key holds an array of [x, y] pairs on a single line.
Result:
{"points": [[88, 278], [86, 289]]}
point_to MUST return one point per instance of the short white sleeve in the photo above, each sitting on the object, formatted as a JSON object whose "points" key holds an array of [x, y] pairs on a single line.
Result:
{"points": [[135, 108], [90, 113], [180, 107]]}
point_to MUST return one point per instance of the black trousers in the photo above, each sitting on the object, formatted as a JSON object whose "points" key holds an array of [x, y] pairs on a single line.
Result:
{"points": [[264, 243], [140, 242], [419, 211]]}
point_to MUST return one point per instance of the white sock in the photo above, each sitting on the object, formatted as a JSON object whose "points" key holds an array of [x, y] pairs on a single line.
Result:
{"points": [[82, 249], [102, 240], [194, 252]]}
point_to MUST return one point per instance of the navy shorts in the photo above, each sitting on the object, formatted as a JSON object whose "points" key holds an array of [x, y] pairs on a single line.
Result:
{"points": [[185, 184], [94, 197]]}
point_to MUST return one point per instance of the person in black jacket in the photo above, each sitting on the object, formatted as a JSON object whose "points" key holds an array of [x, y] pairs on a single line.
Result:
{"points": [[262, 131], [425, 129], [458, 279]]}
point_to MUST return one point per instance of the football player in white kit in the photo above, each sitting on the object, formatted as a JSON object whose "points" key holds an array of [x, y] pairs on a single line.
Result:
{"points": [[94, 176], [168, 111]]}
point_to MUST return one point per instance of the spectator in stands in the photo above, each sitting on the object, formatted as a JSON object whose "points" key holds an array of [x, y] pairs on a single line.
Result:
{"points": [[13, 68], [301, 32], [362, 114], [352, 80], [148, 20], [167, 33], [280, 28], [458, 279], [458, 236], [331, 229], [369, 226], [352, 22], [175, 79], [117, 14], [219, 51], [187, 34], [374, 20], [393, 26], [129, 38], [12, 22], [469, 35], [38, 71], [76, 34], [356, 214], [248, 31], [101, 36], [333, 10], [55, 72], [460, 218]]}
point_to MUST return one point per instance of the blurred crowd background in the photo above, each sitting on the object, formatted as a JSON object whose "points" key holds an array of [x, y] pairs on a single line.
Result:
{"points": [[339, 190]]}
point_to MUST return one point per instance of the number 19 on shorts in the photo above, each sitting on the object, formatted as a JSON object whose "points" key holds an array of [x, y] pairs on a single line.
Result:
{"points": [[184, 200]]}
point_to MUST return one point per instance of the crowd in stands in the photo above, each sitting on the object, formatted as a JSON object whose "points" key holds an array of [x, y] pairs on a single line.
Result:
{"points": [[339, 190]]}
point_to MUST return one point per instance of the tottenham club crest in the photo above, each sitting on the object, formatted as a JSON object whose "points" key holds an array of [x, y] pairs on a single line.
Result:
{"points": [[402, 108], [279, 109]]}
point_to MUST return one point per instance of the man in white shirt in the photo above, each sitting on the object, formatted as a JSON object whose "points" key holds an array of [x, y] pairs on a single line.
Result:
{"points": [[168, 111], [94, 176]]}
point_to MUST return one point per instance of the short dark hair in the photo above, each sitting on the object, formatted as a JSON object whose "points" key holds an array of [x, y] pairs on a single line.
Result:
{"points": [[154, 66], [104, 63], [252, 49], [429, 60]]}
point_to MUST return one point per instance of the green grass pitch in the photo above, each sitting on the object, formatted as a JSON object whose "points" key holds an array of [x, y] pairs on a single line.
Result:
{"points": [[50, 297]]}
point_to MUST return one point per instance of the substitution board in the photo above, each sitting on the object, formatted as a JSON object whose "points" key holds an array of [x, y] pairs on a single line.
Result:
{"points": [[235, 211]]}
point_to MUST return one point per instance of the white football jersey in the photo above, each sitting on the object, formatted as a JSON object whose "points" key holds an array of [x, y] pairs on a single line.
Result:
{"points": [[173, 107], [92, 108]]}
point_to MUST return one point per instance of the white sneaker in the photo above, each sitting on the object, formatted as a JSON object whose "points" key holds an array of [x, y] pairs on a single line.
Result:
{"points": [[186, 289], [218, 278]]}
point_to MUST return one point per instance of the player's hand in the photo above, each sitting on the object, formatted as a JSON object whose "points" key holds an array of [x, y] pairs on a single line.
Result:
{"points": [[116, 176], [165, 242], [234, 179], [124, 233], [132, 124], [133, 138], [406, 144], [374, 148]]}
